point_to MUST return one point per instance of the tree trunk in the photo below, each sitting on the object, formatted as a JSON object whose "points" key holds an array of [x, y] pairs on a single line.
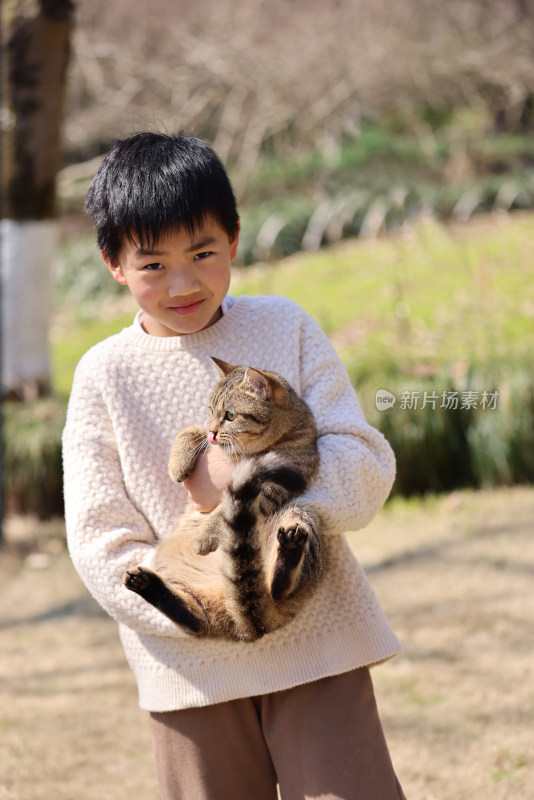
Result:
{"points": [[35, 56]]}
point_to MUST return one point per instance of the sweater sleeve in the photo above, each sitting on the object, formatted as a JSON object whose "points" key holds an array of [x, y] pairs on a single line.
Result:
{"points": [[106, 533], [357, 465]]}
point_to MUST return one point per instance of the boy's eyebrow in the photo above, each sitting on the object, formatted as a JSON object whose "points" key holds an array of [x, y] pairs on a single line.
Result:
{"points": [[147, 251], [198, 245]]}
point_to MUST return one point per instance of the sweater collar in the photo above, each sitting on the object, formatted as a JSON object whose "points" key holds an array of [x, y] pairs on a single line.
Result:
{"points": [[234, 309]]}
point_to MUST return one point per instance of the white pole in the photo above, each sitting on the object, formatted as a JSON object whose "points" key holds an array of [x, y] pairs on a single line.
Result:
{"points": [[28, 251]]}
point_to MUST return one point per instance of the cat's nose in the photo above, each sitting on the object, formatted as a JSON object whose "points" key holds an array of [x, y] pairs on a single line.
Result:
{"points": [[212, 437]]}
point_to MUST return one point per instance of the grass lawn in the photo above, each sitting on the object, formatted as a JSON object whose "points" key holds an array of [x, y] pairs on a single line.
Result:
{"points": [[431, 294]]}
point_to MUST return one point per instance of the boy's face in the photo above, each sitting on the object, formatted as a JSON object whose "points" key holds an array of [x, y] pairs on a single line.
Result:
{"points": [[181, 282]]}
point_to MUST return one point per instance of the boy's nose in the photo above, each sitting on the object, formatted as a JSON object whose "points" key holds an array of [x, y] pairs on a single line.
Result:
{"points": [[182, 285]]}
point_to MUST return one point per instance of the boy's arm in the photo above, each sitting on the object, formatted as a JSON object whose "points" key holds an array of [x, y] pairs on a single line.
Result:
{"points": [[106, 534], [357, 465]]}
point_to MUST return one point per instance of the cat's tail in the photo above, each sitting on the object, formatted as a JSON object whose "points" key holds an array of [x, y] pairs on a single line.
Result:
{"points": [[243, 518]]}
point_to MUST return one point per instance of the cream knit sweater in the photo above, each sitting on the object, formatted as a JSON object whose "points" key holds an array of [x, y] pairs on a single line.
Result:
{"points": [[131, 394]]}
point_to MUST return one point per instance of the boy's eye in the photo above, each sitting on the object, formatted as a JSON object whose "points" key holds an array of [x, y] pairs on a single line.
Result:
{"points": [[202, 256], [155, 267], [230, 416]]}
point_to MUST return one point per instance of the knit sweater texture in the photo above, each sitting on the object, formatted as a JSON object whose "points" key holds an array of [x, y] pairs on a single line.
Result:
{"points": [[131, 394]]}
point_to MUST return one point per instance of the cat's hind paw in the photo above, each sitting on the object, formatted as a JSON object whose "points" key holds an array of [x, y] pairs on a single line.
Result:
{"points": [[292, 538], [154, 590], [293, 545], [138, 579]]}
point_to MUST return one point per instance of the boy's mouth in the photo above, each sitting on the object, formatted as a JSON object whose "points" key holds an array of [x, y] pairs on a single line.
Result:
{"points": [[184, 310]]}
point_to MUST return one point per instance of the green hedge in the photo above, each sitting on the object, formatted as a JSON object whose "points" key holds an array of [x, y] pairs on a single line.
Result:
{"points": [[438, 447], [32, 465]]}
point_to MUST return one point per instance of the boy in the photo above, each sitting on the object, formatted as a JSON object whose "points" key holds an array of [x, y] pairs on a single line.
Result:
{"points": [[229, 720]]}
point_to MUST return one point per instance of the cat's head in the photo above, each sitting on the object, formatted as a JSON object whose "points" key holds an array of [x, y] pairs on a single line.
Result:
{"points": [[248, 408]]}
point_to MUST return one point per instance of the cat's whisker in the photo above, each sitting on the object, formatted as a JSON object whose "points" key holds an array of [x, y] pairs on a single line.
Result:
{"points": [[201, 442], [227, 450], [240, 447], [201, 447], [234, 450]]}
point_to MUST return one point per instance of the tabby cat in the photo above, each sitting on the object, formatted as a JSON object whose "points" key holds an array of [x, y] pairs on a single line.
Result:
{"points": [[245, 568]]}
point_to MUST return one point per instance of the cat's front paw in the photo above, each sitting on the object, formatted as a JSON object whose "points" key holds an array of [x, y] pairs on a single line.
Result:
{"points": [[180, 473], [293, 537], [186, 446], [180, 467], [205, 543]]}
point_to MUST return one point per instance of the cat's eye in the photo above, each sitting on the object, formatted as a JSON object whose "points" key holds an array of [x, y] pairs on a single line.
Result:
{"points": [[230, 416]]}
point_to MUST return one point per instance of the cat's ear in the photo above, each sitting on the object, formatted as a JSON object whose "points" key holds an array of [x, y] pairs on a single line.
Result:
{"points": [[259, 383], [267, 387], [223, 366]]}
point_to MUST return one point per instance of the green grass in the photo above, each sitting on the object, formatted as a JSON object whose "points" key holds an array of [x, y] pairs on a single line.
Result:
{"points": [[428, 299], [433, 295]]}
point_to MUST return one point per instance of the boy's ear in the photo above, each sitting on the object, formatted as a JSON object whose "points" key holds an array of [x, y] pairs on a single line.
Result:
{"points": [[234, 242], [115, 269]]}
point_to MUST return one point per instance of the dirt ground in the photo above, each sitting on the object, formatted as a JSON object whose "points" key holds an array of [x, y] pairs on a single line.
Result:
{"points": [[454, 575]]}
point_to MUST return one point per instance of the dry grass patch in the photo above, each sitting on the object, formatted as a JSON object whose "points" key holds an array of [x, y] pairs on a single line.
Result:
{"points": [[455, 578], [454, 575]]}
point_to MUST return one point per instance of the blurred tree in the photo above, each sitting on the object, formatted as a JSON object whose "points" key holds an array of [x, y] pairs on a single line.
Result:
{"points": [[35, 54], [280, 78]]}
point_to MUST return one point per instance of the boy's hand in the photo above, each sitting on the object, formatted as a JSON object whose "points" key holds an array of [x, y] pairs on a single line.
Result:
{"points": [[212, 472]]}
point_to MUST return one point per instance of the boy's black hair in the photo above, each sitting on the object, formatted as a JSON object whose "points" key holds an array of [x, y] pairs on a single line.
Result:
{"points": [[152, 183]]}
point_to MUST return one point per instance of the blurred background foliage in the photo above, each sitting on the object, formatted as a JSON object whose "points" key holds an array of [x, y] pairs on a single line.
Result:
{"points": [[407, 126]]}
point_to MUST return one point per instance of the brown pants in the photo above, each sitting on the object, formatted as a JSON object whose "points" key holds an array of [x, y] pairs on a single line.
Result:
{"points": [[319, 740]]}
